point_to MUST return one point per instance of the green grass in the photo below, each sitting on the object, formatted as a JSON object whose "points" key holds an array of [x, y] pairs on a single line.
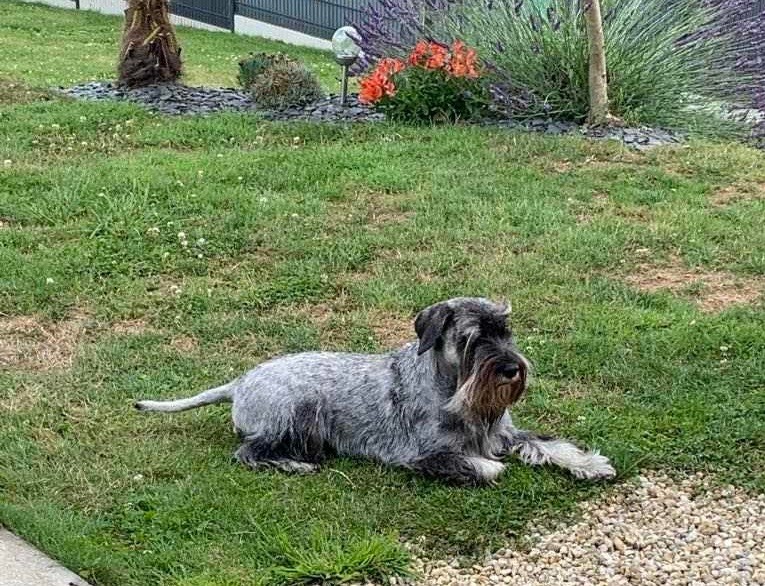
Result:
{"points": [[65, 47], [367, 221]]}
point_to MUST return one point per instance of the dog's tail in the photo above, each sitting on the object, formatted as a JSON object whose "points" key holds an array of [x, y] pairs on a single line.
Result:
{"points": [[222, 394]]}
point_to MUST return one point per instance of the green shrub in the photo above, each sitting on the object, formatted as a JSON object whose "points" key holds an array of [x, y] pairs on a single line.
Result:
{"points": [[661, 71], [276, 81], [432, 96], [256, 64]]}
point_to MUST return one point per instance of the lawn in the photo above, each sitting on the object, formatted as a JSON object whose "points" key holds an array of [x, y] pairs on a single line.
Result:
{"points": [[635, 279]]}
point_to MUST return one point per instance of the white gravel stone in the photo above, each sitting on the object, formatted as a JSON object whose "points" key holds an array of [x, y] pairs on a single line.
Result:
{"points": [[654, 531]]}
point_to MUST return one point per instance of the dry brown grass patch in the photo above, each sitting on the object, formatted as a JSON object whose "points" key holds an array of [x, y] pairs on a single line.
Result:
{"points": [[130, 327], [713, 291], [331, 319], [391, 329], [184, 344], [738, 192], [15, 92], [33, 343], [21, 396], [626, 160], [377, 209]]}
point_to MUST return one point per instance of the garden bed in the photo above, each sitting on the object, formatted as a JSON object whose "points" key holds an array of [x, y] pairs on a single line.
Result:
{"points": [[179, 99]]}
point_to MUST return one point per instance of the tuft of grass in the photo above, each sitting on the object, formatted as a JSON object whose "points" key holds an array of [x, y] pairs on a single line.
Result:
{"points": [[326, 559]]}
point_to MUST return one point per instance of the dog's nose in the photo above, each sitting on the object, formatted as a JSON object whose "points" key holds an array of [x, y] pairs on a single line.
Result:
{"points": [[509, 370]]}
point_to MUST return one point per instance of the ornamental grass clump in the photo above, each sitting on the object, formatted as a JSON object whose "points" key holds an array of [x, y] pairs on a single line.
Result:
{"points": [[660, 72], [277, 81], [436, 83]]}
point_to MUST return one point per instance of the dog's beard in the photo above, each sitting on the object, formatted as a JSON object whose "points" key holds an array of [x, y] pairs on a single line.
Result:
{"points": [[483, 394]]}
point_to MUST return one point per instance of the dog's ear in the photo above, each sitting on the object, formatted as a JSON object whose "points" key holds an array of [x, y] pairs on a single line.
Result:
{"points": [[430, 324]]}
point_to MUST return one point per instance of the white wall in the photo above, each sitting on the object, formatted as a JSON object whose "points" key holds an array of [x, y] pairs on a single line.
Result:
{"points": [[257, 28], [56, 3], [242, 25]]}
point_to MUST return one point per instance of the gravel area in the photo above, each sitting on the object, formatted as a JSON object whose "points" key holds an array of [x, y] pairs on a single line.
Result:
{"points": [[653, 532], [178, 99]]}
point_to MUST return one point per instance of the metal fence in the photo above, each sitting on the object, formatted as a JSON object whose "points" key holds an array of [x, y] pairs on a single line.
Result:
{"points": [[318, 18], [215, 12]]}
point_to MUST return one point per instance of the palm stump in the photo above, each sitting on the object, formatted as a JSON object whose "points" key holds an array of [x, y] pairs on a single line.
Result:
{"points": [[150, 51]]}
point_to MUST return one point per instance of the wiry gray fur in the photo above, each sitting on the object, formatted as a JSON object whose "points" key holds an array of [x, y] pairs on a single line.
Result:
{"points": [[436, 406]]}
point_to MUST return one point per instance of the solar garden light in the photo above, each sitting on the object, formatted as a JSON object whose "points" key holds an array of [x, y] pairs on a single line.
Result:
{"points": [[346, 52]]}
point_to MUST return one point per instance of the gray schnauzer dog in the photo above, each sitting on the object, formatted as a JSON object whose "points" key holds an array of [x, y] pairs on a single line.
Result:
{"points": [[437, 406]]}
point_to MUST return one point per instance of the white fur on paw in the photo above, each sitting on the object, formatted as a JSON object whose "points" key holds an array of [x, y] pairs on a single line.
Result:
{"points": [[296, 467], [594, 466], [487, 469]]}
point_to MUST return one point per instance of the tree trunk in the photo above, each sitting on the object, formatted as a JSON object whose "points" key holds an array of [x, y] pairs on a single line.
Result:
{"points": [[599, 114], [150, 51]]}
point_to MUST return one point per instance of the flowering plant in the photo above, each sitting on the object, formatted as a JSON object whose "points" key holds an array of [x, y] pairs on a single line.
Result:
{"points": [[435, 83]]}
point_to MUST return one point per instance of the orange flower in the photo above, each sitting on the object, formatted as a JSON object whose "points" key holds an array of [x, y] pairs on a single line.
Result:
{"points": [[463, 61], [391, 66], [419, 53], [379, 83], [371, 91], [438, 57], [428, 55]]}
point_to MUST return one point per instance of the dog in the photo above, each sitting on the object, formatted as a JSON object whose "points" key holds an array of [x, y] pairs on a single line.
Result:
{"points": [[437, 406]]}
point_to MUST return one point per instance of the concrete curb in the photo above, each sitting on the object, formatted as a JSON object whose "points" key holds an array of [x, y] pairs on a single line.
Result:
{"points": [[23, 565]]}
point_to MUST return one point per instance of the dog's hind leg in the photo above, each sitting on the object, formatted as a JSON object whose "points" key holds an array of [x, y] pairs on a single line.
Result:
{"points": [[538, 450], [293, 441], [258, 453]]}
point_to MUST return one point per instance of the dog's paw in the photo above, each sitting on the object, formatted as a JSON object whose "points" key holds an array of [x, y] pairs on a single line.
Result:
{"points": [[594, 467]]}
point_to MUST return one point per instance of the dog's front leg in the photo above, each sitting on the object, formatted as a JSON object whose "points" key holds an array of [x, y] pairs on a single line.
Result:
{"points": [[538, 450], [458, 468]]}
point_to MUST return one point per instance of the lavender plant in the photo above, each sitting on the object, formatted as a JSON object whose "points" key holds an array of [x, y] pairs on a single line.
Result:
{"points": [[668, 59], [746, 18], [390, 28]]}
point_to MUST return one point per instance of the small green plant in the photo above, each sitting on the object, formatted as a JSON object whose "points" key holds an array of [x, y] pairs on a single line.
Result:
{"points": [[276, 81]]}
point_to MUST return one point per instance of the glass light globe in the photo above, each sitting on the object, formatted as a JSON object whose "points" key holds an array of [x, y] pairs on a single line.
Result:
{"points": [[344, 44]]}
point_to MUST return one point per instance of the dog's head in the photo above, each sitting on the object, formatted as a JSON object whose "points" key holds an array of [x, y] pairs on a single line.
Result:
{"points": [[471, 339]]}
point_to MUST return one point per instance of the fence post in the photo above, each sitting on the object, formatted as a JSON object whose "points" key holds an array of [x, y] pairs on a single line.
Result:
{"points": [[76, 4], [232, 23]]}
